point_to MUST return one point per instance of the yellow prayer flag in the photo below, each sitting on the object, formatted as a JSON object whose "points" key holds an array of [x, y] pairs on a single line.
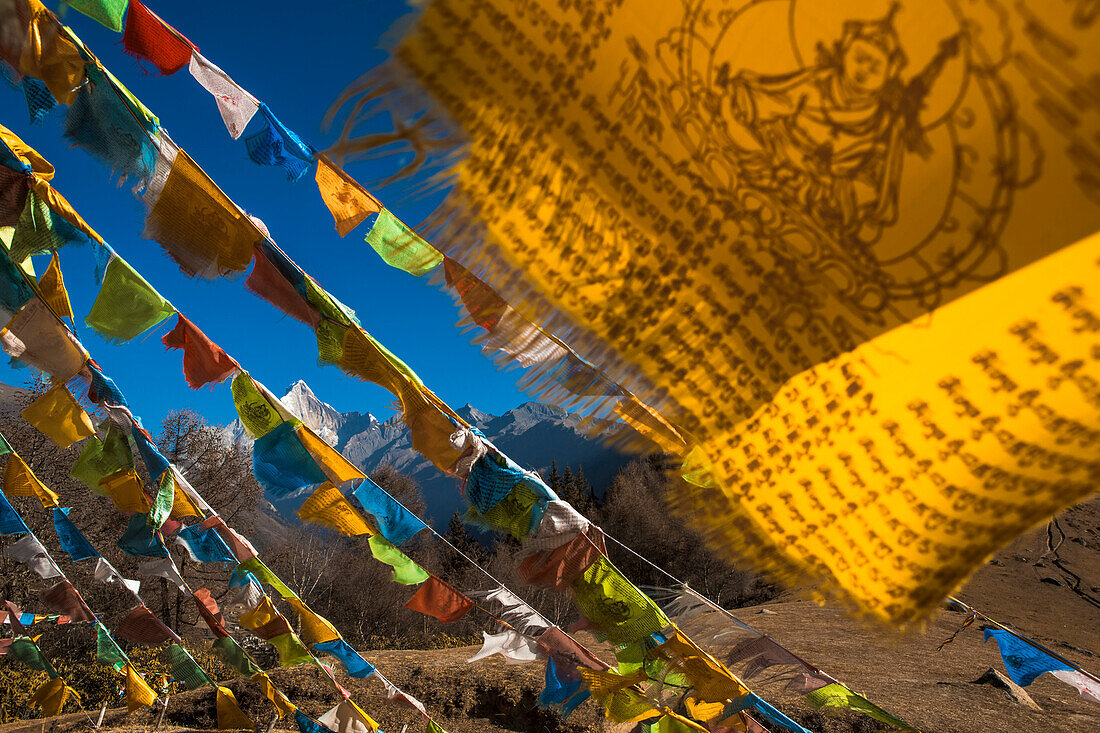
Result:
{"points": [[19, 480], [59, 417], [338, 469], [328, 507], [50, 697], [283, 706], [124, 488], [602, 683], [138, 693], [52, 287], [763, 214], [349, 202], [230, 715], [316, 629], [182, 506]]}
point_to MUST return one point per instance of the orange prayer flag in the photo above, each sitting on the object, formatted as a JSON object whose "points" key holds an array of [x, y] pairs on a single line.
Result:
{"points": [[349, 202], [436, 598]]}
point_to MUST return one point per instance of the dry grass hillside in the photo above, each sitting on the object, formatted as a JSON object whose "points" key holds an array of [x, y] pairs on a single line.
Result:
{"points": [[1028, 586]]}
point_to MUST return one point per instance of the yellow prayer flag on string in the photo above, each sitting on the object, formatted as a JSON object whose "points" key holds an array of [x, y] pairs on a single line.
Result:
{"points": [[283, 706], [328, 507], [349, 202], [138, 693], [602, 683], [124, 488], [316, 629], [52, 287], [230, 715], [58, 416], [338, 469], [51, 696], [182, 506], [19, 480]]}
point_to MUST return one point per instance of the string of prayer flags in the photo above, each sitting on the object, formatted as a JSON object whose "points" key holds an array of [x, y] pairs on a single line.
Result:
{"points": [[102, 388], [611, 602], [51, 696], [347, 717], [349, 203], [353, 662], [40, 230], [517, 514], [51, 286], [405, 571], [514, 611], [283, 707], [401, 247], [512, 645], [186, 669], [1023, 662], [436, 598], [560, 691], [19, 480], [307, 724], [491, 479], [10, 521], [57, 415], [141, 626], [235, 104], [275, 144], [235, 656], [204, 362], [110, 125], [327, 507], [230, 715], [163, 567], [182, 504], [396, 523], [291, 650], [106, 12], [338, 469], [836, 695], [43, 52], [138, 692], [670, 722], [106, 573], [142, 540], [281, 462], [125, 491], [127, 306], [108, 652], [196, 224], [766, 711], [64, 598], [148, 37], [204, 544]]}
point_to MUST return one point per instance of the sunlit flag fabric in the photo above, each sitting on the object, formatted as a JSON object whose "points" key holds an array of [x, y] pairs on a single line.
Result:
{"points": [[138, 693], [155, 462], [163, 567], [265, 621], [347, 717], [563, 693], [185, 669], [106, 573], [440, 600], [127, 305], [51, 287], [353, 662], [836, 695], [512, 645], [607, 599], [40, 49], [759, 193], [107, 12], [107, 652], [401, 247], [19, 480], [235, 104], [102, 458], [204, 544], [328, 507], [559, 568], [275, 144], [204, 362], [58, 416], [208, 609], [51, 697], [230, 714], [338, 469], [146, 36], [349, 203], [235, 656], [404, 569], [283, 706], [396, 523], [141, 540], [48, 345], [125, 490], [27, 652], [10, 521], [291, 650], [1023, 661], [281, 462], [315, 628]]}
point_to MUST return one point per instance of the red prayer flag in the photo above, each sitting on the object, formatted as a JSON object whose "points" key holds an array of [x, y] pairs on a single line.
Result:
{"points": [[65, 599], [559, 567], [568, 652], [208, 609], [266, 281], [436, 598], [203, 360], [148, 37], [141, 626]]}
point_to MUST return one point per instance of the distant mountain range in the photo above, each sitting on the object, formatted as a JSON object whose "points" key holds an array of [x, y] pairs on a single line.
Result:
{"points": [[533, 434]]}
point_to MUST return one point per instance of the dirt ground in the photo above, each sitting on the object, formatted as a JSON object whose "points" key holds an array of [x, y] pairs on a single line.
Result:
{"points": [[1029, 586]]}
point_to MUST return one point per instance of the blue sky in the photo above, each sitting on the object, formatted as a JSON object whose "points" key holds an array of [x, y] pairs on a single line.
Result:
{"points": [[297, 58]]}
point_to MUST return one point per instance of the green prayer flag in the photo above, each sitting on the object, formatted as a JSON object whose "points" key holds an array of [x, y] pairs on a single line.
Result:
{"points": [[27, 652], [839, 696], [234, 656], [162, 502], [34, 232], [4, 447], [291, 649], [100, 459], [127, 305], [433, 727], [107, 652], [611, 603], [401, 247], [258, 416], [186, 669], [255, 566], [512, 514], [107, 12], [404, 569]]}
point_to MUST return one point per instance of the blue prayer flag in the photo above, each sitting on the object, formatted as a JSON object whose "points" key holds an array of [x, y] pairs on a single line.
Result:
{"points": [[205, 545], [140, 540], [766, 710], [275, 144], [103, 388], [396, 523], [563, 693], [1023, 661], [352, 661], [155, 462], [307, 724], [72, 541], [282, 464], [492, 478], [10, 521]]}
